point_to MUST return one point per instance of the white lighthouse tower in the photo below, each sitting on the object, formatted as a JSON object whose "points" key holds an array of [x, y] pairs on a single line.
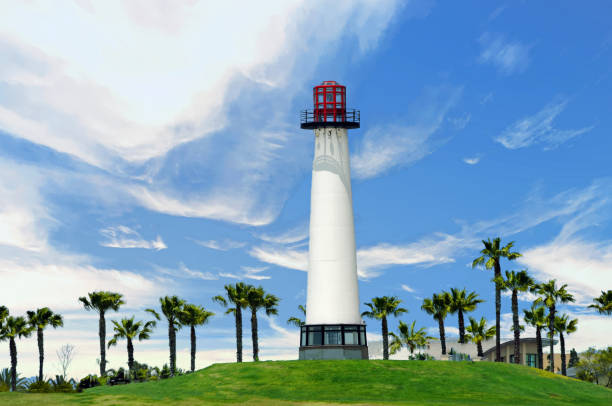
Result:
{"points": [[333, 329]]}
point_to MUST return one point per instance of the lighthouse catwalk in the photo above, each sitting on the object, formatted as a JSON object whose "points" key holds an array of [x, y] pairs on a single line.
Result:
{"points": [[333, 328]]}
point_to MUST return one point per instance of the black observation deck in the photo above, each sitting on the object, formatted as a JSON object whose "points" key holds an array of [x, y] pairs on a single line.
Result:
{"points": [[347, 119]]}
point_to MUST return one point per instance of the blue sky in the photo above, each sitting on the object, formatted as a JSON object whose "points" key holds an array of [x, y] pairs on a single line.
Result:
{"points": [[153, 148]]}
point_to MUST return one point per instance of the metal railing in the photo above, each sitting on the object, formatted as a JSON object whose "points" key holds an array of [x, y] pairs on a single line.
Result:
{"points": [[348, 116]]}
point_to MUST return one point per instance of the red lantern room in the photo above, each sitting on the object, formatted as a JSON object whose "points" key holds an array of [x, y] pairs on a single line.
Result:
{"points": [[329, 100]]}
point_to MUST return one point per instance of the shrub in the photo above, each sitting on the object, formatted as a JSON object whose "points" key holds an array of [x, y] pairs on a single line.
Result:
{"points": [[88, 382], [40, 387]]}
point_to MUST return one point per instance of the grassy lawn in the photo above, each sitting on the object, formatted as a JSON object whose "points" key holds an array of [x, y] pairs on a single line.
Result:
{"points": [[324, 382]]}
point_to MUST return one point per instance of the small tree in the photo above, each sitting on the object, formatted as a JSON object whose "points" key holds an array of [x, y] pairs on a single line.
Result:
{"points": [[65, 355], [573, 358], [296, 321]]}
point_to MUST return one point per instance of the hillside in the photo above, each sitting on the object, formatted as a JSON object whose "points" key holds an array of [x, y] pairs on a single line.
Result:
{"points": [[369, 382]]}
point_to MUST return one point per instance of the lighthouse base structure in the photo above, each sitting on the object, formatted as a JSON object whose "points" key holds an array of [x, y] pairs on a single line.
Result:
{"points": [[333, 342]]}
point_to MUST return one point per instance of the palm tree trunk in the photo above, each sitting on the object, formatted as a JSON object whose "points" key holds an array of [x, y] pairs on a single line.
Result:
{"points": [[497, 311], [479, 346], [551, 333], [193, 348], [461, 327], [254, 334], [563, 365], [130, 350], [102, 334], [13, 350], [238, 315], [539, 344], [41, 353], [172, 343], [385, 334], [517, 331], [442, 335]]}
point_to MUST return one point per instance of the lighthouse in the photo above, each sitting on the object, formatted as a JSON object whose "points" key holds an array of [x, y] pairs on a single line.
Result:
{"points": [[333, 327]]}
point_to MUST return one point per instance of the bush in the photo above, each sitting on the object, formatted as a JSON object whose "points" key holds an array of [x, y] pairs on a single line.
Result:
{"points": [[40, 387], [89, 381]]}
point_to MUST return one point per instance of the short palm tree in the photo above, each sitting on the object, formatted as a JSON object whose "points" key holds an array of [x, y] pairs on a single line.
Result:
{"points": [[381, 308], [409, 337], [12, 328], [172, 308], [550, 295], [603, 303], [438, 306], [101, 302], [478, 332], [537, 318], [237, 295], [516, 282], [194, 316], [39, 320], [258, 299], [5, 381], [564, 325], [130, 330], [296, 321], [463, 302], [491, 256]]}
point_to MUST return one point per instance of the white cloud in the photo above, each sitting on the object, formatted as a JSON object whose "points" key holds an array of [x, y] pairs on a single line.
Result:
{"points": [[223, 245], [281, 256], [538, 129], [407, 288], [248, 272], [125, 237], [291, 236], [472, 161], [460, 122], [386, 147], [184, 272], [508, 57]]}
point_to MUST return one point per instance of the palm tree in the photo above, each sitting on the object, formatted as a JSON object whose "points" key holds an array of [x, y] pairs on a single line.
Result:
{"points": [[409, 337], [236, 295], [130, 330], [492, 253], [193, 316], [296, 321], [564, 325], [478, 332], [258, 299], [603, 303], [516, 282], [172, 308], [438, 306], [537, 317], [550, 295], [381, 308], [39, 320], [462, 302], [101, 302], [14, 327], [5, 381]]}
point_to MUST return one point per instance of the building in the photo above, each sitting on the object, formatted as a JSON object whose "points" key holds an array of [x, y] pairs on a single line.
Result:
{"points": [[529, 352], [333, 328]]}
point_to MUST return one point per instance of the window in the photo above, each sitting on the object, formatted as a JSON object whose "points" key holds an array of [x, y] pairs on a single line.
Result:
{"points": [[350, 335], [333, 335], [362, 337], [315, 337], [532, 360], [329, 97], [338, 97], [320, 97], [303, 337], [512, 358]]}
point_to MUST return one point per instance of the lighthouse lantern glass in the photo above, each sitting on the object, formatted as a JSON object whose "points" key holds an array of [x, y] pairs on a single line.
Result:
{"points": [[329, 102]]}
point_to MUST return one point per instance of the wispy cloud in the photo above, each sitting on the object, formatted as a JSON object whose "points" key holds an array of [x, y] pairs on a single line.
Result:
{"points": [[538, 129], [281, 256], [508, 57], [184, 272], [407, 288], [460, 122], [472, 161], [291, 236], [222, 245], [126, 237], [386, 147], [247, 273]]}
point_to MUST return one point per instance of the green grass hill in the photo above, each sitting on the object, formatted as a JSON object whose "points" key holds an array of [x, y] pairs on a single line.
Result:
{"points": [[349, 382]]}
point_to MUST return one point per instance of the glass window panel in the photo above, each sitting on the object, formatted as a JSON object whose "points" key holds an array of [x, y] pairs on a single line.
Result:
{"points": [[315, 338], [329, 97], [338, 98], [303, 337], [351, 338], [333, 338], [362, 340], [320, 98]]}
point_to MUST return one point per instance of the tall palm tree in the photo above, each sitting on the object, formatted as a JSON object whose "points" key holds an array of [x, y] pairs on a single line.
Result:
{"points": [[550, 295], [492, 253], [564, 325], [537, 318], [296, 321], [237, 295], [258, 299], [409, 337], [478, 332], [194, 316], [129, 329], [516, 282], [462, 302], [381, 308], [172, 308], [101, 302], [12, 328], [438, 306], [39, 320], [603, 303]]}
